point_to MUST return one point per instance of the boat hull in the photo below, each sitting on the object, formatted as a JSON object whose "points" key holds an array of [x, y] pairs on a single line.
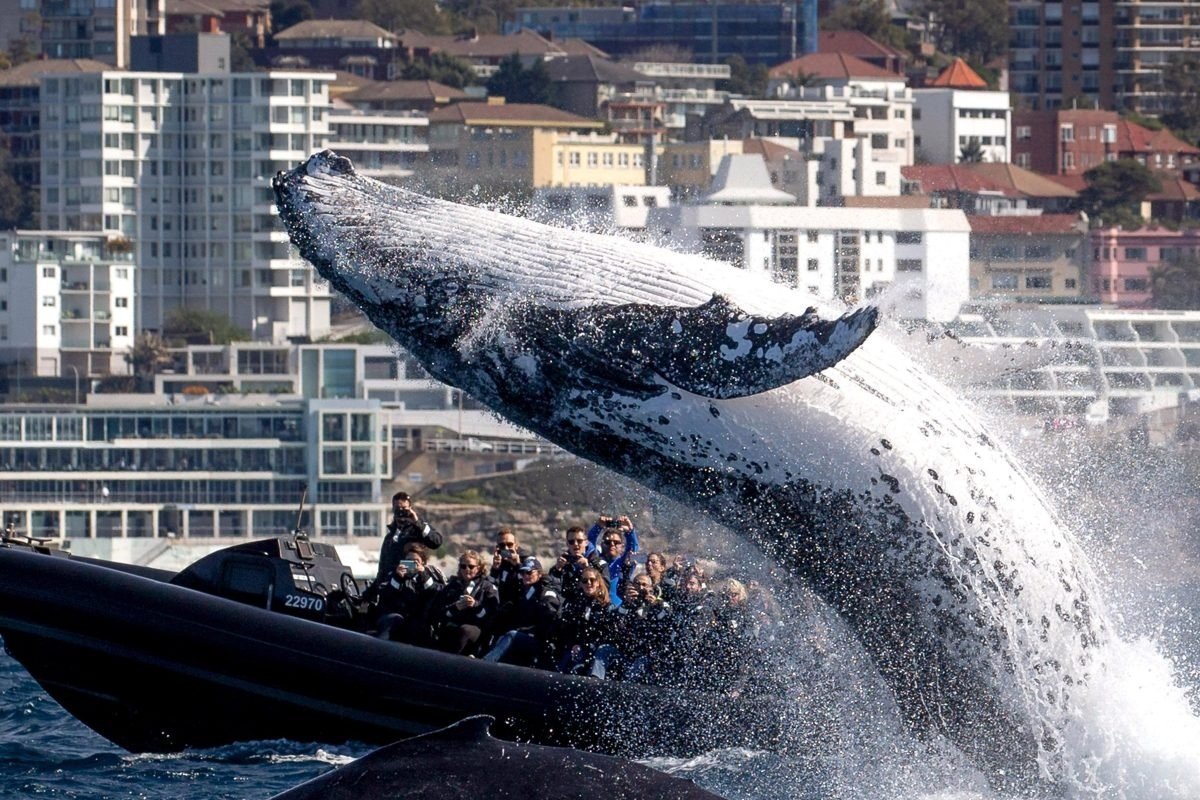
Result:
{"points": [[156, 667]]}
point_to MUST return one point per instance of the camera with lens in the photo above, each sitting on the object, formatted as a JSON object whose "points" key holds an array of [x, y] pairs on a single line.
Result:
{"points": [[613, 522]]}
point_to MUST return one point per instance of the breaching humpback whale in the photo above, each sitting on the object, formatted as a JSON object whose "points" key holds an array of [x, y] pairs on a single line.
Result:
{"points": [[464, 762], [831, 452]]}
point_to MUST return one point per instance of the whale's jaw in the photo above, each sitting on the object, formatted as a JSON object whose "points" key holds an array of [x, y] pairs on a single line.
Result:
{"points": [[890, 502]]}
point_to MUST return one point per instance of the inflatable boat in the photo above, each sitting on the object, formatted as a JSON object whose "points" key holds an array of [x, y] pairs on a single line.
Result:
{"points": [[261, 641]]}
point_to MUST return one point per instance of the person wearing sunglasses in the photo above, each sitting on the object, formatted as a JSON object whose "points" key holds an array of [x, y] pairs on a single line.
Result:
{"points": [[573, 560], [469, 603], [586, 629]]}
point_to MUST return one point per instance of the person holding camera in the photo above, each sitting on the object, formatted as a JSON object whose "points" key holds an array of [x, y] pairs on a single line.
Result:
{"points": [[619, 564], [506, 565], [605, 523], [571, 563], [407, 599], [468, 606], [644, 623], [528, 620], [405, 527]]}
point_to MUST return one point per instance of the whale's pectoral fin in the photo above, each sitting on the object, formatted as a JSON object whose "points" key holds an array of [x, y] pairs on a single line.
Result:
{"points": [[717, 350]]}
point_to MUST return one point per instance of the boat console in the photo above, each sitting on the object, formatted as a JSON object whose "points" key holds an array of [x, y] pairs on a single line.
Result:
{"points": [[288, 574]]}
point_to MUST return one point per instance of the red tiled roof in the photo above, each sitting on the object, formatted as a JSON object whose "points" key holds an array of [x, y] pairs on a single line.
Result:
{"points": [[953, 178], [831, 66], [1174, 188], [382, 91], [1042, 224], [1134, 138], [958, 75], [1075, 183], [1028, 183], [856, 43]]}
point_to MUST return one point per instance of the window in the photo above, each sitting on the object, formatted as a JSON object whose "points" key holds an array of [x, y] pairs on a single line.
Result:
{"points": [[121, 302], [1135, 253], [1069, 283], [1039, 252], [1037, 282], [48, 301], [813, 265], [1023, 132], [48, 272], [1137, 284], [120, 330], [49, 330], [908, 237], [812, 237], [1067, 133], [880, 178], [1068, 160], [1002, 252], [1004, 281], [908, 265], [630, 201]]}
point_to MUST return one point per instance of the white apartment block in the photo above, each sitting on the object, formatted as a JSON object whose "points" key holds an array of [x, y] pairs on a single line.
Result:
{"points": [[882, 111], [687, 89], [97, 29], [385, 145], [945, 120], [180, 166], [66, 303], [914, 262]]}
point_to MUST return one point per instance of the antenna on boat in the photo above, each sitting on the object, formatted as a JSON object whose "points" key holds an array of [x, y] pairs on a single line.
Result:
{"points": [[296, 530], [299, 537]]}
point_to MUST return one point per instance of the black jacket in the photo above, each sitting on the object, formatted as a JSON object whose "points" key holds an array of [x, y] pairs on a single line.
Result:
{"points": [[534, 610], [482, 614], [413, 597], [584, 622], [392, 550]]}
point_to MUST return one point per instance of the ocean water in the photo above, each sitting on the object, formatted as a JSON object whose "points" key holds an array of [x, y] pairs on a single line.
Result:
{"points": [[44, 752]]}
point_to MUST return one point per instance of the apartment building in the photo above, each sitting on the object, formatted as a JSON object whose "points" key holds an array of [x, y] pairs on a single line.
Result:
{"points": [[1109, 54], [385, 145], [914, 261], [20, 112], [1040, 258], [957, 109], [1123, 261], [1072, 141], [762, 33], [180, 165], [66, 303], [517, 147], [98, 29]]}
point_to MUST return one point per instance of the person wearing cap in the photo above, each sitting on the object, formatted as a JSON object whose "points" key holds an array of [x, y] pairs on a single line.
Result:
{"points": [[529, 618], [406, 526]]}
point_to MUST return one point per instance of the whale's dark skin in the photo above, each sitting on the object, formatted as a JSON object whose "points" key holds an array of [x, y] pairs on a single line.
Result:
{"points": [[850, 467], [464, 762]]}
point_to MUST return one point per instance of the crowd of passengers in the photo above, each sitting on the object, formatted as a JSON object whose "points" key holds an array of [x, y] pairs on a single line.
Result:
{"points": [[598, 610]]}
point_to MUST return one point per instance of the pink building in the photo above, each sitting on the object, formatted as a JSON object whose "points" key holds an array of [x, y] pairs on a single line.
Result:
{"points": [[1122, 261]]}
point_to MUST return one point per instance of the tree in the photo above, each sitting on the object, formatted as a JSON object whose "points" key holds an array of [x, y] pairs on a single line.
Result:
{"points": [[745, 80], [286, 13], [1181, 94], [518, 84], [1176, 284], [16, 201], [870, 17], [977, 31], [195, 325], [440, 67], [395, 15], [1115, 192], [971, 152], [146, 357]]}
